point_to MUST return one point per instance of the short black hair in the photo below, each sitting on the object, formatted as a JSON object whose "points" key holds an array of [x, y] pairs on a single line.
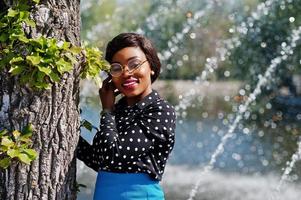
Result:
{"points": [[124, 40]]}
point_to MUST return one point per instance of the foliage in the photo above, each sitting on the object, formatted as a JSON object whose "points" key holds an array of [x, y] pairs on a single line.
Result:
{"points": [[40, 61], [93, 64], [15, 145], [265, 40], [88, 125], [94, 12], [103, 19], [78, 186]]}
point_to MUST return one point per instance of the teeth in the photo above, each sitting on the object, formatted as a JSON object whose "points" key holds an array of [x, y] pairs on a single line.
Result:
{"points": [[128, 84]]}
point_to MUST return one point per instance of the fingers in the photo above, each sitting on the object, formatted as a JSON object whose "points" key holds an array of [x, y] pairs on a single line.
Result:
{"points": [[116, 92], [106, 82], [107, 85]]}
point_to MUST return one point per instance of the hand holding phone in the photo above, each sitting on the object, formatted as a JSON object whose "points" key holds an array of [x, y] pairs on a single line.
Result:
{"points": [[107, 93]]}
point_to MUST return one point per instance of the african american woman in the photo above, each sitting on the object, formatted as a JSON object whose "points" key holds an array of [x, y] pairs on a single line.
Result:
{"points": [[137, 133]]}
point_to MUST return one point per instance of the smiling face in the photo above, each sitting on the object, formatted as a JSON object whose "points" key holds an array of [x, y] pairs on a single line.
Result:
{"points": [[135, 85]]}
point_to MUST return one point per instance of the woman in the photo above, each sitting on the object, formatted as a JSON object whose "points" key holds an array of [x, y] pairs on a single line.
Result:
{"points": [[137, 133]]}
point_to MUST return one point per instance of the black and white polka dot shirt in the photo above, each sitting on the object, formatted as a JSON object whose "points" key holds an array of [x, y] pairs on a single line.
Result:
{"points": [[137, 138]]}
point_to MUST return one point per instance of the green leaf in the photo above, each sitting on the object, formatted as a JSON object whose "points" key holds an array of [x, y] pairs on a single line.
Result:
{"points": [[14, 36], [70, 57], [3, 37], [12, 13], [13, 153], [54, 77], [3, 25], [63, 45], [40, 51], [3, 132], [5, 162], [36, 1], [82, 185], [31, 153], [27, 130], [25, 139], [24, 158], [37, 42], [48, 60], [24, 145], [3, 148], [16, 59], [15, 70], [23, 15], [40, 77], [8, 56], [16, 134], [40, 85], [23, 6], [25, 78], [75, 49], [51, 43], [34, 60], [30, 22], [26, 133], [87, 125], [7, 142], [22, 38], [44, 69], [63, 66]]}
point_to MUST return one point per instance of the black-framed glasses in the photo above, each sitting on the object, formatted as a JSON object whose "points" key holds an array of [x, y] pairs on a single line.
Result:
{"points": [[117, 69]]}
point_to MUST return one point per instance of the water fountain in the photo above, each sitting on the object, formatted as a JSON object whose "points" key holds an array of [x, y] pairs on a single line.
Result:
{"points": [[212, 64], [222, 53], [290, 165], [263, 81]]}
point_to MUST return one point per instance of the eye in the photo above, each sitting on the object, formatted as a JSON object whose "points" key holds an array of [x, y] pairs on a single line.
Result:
{"points": [[134, 63], [115, 67]]}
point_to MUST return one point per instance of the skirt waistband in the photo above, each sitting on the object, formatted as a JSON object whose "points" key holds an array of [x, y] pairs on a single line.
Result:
{"points": [[109, 178]]}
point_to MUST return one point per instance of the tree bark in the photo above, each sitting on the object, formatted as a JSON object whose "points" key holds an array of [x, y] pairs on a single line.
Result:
{"points": [[54, 114]]}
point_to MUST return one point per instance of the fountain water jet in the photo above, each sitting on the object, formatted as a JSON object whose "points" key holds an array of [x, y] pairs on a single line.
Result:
{"points": [[290, 165], [153, 19], [222, 53], [191, 22], [263, 81]]}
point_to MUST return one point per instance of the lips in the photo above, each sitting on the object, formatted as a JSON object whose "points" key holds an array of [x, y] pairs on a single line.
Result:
{"points": [[130, 83]]}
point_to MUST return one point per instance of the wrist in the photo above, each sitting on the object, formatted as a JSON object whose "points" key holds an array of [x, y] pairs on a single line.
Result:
{"points": [[106, 110]]}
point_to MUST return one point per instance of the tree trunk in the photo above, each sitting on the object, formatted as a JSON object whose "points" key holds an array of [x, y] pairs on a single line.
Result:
{"points": [[54, 114]]}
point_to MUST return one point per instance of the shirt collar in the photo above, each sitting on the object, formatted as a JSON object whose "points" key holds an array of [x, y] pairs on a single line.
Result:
{"points": [[147, 100]]}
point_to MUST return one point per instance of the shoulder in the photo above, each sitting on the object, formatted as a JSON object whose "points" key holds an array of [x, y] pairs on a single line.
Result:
{"points": [[163, 104], [160, 105]]}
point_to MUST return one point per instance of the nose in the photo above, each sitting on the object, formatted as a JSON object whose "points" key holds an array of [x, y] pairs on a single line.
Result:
{"points": [[126, 71]]}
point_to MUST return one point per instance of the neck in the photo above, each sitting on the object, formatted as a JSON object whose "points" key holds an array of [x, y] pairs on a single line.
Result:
{"points": [[132, 100]]}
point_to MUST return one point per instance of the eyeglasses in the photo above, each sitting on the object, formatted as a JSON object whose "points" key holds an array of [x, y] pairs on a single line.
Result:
{"points": [[117, 69]]}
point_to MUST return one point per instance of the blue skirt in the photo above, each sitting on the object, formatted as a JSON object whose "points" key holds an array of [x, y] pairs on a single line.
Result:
{"points": [[126, 186]]}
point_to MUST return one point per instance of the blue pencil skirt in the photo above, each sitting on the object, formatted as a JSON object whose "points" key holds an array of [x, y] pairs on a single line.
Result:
{"points": [[126, 186]]}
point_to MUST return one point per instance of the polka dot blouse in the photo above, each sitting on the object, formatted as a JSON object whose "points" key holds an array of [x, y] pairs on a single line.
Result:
{"points": [[132, 139]]}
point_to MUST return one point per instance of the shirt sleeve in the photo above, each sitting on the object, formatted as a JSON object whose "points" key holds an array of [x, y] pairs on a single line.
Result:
{"points": [[85, 153]]}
